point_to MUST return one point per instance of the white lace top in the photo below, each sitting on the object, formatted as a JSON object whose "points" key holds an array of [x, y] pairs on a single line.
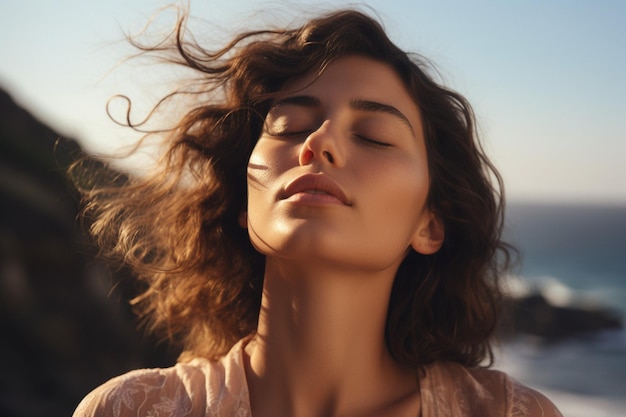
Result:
{"points": [[203, 388]]}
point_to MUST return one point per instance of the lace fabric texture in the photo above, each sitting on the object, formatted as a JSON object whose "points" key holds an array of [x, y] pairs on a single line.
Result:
{"points": [[202, 388]]}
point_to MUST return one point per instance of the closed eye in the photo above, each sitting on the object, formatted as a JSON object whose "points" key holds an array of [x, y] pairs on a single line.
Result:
{"points": [[374, 142], [288, 133]]}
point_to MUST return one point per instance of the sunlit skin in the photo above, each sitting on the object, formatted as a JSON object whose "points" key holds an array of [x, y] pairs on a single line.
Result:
{"points": [[337, 190]]}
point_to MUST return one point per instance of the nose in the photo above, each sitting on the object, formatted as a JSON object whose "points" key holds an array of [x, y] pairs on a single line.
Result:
{"points": [[322, 146]]}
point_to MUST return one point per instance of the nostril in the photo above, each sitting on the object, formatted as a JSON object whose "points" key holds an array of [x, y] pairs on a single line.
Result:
{"points": [[328, 156], [306, 156]]}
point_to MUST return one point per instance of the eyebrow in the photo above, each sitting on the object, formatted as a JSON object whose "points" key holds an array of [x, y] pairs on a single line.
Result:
{"points": [[373, 106], [355, 104]]}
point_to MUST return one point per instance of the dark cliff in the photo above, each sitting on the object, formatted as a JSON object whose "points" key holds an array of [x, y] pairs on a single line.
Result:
{"points": [[64, 330]]}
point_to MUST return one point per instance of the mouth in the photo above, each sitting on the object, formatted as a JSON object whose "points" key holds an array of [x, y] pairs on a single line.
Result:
{"points": [[315, 188]]}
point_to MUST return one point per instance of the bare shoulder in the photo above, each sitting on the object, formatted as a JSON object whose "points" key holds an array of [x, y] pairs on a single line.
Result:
{"points": [[147, 392]]}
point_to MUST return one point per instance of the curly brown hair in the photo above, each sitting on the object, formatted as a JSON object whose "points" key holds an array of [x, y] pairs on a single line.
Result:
{"points": [[178, 229]]}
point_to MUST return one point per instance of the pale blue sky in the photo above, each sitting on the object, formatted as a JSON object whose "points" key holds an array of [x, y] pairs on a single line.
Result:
{"points": [[547, 78]]}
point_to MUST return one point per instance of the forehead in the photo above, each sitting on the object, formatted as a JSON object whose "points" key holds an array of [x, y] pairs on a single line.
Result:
{"points": [[356, 77]]}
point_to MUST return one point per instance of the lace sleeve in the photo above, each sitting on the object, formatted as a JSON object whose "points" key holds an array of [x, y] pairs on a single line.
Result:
{"points": [[526, 402], [149, 393]]}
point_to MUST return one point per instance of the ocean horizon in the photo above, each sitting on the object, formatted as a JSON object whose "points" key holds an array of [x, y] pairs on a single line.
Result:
{"points": [[574, 255]]}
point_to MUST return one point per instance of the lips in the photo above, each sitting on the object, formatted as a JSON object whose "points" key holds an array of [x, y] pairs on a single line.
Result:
{"points": [[315, 184]]}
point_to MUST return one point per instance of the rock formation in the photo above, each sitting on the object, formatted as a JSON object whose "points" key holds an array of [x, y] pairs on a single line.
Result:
{"points": [[64, 330]]}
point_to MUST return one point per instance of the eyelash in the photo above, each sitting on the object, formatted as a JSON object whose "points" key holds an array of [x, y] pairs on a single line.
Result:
{"points": [[365, 139], [373, 142], [288, 134]]}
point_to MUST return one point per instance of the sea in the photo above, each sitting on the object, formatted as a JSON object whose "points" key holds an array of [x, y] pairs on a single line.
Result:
{"points": [[575, 255]]}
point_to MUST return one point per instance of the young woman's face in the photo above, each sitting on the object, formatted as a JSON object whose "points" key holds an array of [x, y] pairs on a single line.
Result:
{"points": [[340, 173]]}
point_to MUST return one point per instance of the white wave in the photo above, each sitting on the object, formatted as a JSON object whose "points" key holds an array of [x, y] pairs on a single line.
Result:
{"points": [[516, 286], [557, 293]]}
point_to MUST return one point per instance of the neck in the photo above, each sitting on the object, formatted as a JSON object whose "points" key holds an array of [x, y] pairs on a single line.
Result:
{"points": [[320, 346]]}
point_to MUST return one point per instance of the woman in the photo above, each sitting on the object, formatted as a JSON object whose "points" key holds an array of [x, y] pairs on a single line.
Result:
{"points": [[323, 238]]}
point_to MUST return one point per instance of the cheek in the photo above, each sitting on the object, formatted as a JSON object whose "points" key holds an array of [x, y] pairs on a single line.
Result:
{"points": [[269, 159], [412, 193], [401, 180], [258, 215], [259, 168], [398, 200], [413, 188]]}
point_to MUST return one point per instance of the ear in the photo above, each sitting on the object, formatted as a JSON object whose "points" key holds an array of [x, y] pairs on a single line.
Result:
{"points": [[243, 219], [430, 234]]}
